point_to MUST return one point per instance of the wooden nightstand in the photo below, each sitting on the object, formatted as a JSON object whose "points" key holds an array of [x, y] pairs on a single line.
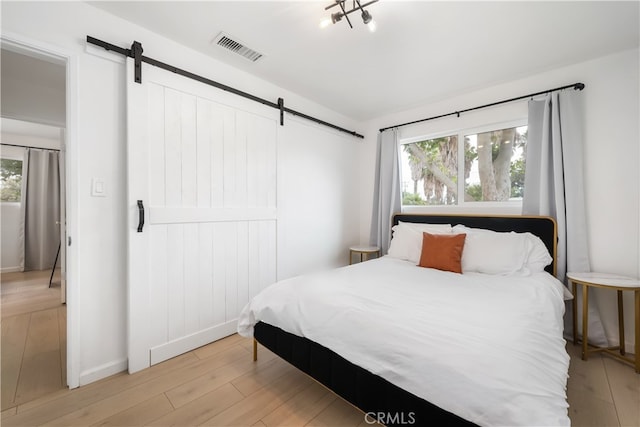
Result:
{"points": [[606, 281], [364, 251]]}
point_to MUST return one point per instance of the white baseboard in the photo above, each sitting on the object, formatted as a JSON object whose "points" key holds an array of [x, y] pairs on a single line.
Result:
{"points": [[103, 371], [10, 269], [184, 344]]}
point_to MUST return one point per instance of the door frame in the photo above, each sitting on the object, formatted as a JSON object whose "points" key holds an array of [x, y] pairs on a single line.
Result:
{"points": [[39, 49]]}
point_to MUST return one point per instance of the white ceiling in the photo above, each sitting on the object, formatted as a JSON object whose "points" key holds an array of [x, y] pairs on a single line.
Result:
{"points": [[20, 127], [33, 88], [422, 51]]}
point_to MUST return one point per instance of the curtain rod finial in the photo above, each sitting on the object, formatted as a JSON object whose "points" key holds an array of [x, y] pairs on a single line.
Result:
{"points": [[578, 86]]}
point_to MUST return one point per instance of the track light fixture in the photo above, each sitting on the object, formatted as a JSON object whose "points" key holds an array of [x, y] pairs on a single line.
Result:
{"points": [[356, 6]]}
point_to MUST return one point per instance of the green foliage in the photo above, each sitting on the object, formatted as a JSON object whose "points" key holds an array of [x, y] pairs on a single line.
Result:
{"points": [[434, 162], [10, 167], [475, 191], [518, 167], [470, 152], [10, 180], [412, 199], [434, 167], [517, 178]]}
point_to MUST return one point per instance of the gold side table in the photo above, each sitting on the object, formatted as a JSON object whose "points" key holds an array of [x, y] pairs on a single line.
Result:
{"points": [[613, 282], [364, 251]]}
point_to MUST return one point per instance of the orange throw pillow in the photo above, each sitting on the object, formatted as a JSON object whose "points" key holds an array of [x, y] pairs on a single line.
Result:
{"points": [[442, 251]]}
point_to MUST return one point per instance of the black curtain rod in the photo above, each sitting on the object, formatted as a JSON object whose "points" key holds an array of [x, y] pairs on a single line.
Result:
{"points": [[136, 51], [576, 86], [28, 146]]}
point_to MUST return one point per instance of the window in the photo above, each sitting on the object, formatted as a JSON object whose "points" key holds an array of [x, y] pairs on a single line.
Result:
{"points": [[10, 180], [433, 171], [488, 167]]}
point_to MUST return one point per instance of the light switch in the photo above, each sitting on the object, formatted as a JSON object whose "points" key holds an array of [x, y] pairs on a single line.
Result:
{"points": [[98, 188]]}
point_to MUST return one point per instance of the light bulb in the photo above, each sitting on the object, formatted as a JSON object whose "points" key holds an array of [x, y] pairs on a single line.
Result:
{"points": [[372, 26], [325, 23]]}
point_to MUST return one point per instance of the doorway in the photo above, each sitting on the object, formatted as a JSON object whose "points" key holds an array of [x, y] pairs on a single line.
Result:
{"points": [[34, 316]]}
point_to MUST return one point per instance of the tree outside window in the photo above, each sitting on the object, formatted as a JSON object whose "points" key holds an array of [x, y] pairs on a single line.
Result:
{"points": [[492, 168], [10, 180], [434, 171]]}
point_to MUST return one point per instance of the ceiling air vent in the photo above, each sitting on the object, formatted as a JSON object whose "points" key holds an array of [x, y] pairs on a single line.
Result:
{"points": [[235, 46]]}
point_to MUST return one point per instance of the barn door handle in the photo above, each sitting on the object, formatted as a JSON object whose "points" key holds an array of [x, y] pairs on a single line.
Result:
{"points": [[140, 216]]}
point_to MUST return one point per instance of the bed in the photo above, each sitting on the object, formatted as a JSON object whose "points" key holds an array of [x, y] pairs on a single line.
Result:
{"points": [[423, 346]]}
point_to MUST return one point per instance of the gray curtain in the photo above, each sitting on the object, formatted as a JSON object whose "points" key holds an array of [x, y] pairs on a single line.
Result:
{"points": [[41, 208], [386, 196], [554, 185]]}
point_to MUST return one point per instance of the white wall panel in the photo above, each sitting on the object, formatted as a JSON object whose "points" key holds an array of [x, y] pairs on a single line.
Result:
{"points": [[188, 148], [174, 316], [219, 305], [253, 251], [156, 108], [242, 270], [231, 269], [159, 282], [229, 166], [205, 274], [172, 147], [239, 161], [191, 284], [203, 149]]}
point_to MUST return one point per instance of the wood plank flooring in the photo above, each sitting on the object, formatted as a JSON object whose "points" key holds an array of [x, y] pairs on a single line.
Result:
{"points": [[28, 292], [602, 391], [219, 384], [33, 337]]}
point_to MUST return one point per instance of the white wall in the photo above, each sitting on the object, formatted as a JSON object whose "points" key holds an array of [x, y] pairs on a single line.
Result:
{"points": [[10, 220], [612, 155], [318, 198], [10, 216], [101, 227]]}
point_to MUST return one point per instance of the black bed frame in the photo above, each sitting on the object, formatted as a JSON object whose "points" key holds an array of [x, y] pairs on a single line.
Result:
{"points": [[375, 396]]}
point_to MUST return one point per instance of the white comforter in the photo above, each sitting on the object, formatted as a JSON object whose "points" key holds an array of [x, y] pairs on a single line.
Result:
{"points": [[487, 348]]}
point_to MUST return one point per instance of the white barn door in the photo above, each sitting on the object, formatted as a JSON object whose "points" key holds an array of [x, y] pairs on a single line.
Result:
{"points": [[203, 164]]}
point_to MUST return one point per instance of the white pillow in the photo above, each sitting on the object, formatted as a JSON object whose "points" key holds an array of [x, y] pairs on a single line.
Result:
{"points": [[537, 254], [406, 241], [492, 252]]}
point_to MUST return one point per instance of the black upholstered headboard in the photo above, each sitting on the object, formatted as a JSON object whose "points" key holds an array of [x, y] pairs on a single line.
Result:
{"points": [[542, 226]]}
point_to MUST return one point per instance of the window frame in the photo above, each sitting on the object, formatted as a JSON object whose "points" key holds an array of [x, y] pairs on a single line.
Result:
{"points": [[511, 206]]}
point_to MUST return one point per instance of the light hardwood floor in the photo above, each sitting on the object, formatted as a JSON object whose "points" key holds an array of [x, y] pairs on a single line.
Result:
{"points": [[33, 337], [602, 391], [219, 384]]}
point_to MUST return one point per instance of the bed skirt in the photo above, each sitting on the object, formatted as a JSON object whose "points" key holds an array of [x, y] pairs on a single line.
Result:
{"points": [[378, 398]]}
